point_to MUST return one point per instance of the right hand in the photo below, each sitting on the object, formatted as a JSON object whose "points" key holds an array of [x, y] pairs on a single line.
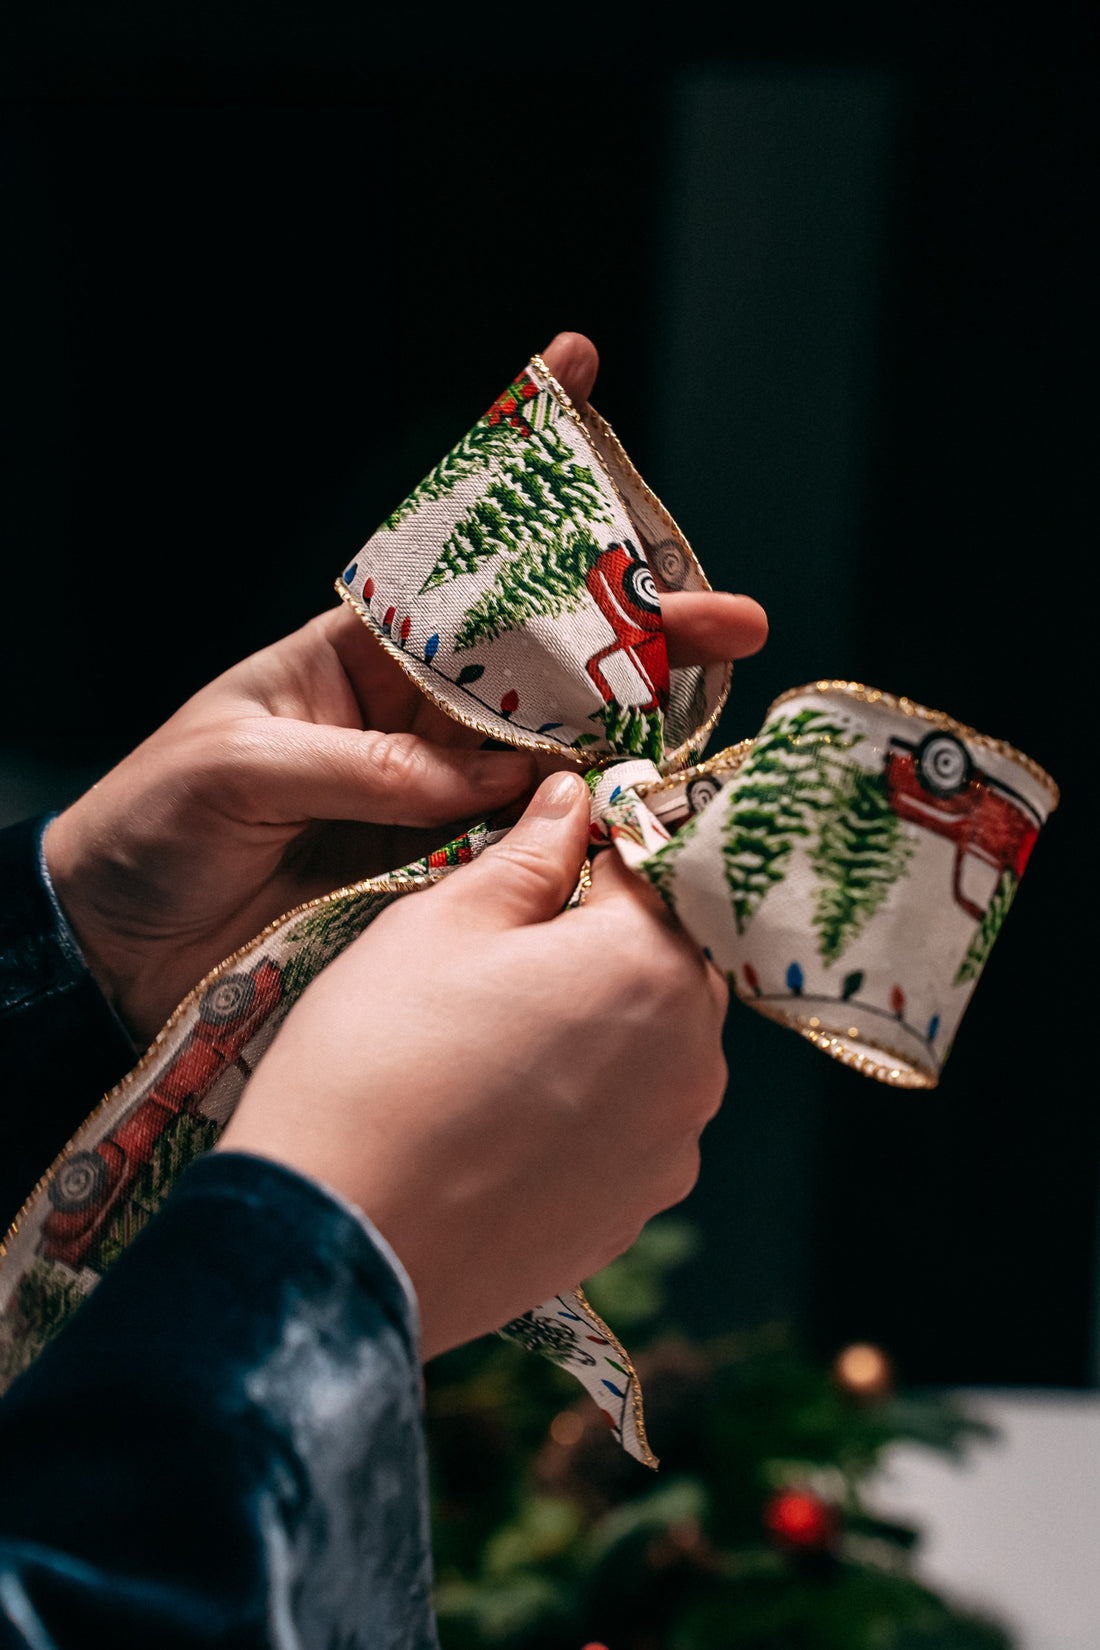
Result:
{"points": [[508, 1090]]}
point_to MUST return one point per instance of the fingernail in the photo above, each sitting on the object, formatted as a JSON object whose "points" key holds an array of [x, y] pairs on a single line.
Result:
{"points": [[558, 795]]}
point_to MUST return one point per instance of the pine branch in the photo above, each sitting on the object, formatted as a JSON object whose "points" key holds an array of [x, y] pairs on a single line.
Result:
{"points": [[553, 485], [789, 778], [328, 929], [537, 495], [989, 927], [860, 854], [479, 448], [47, 1299], [660, 868], [545, 580], [184, 1139], [628, 730]]}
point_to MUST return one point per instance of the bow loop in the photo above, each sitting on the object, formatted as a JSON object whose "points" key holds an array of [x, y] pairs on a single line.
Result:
{"points": [[520, 585]]}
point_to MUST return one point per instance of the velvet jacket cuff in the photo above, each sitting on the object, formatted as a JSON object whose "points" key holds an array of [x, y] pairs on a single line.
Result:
{"points": [[225, 1445], [61, 1044]]}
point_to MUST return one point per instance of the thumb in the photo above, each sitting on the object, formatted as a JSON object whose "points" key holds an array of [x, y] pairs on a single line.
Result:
{"points": [[528, 877]]}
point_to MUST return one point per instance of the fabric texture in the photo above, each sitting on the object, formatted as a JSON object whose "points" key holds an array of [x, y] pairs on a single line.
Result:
{"points": [[520, 583], [226, 1446], [852, 870]]}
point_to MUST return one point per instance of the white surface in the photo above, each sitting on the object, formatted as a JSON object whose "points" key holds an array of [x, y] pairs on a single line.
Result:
{"points": [[1015, 1528]]}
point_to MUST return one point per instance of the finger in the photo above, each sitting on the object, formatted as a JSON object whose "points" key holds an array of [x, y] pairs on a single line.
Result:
{"points": [[704, 627], [387, 698], [613, 882], [528, 877], [573, 360], [279, 770]]}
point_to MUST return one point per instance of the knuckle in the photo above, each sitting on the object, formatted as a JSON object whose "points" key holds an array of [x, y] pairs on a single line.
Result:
{"points": [[677, 1179], [714, 1092], [397, 759], [688, 1173], [704, 1095], [624, 1237], [527, 863], [668, 976], [232, 760], [321, 626]]}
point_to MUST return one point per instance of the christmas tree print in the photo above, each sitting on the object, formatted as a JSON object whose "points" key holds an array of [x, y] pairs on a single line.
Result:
{"points": [[492, 437], [628, 730], [185, 1138], [475, 452], [322, 935], [46, 1298], [660, 868], [530, 502], [543, 579], [860, 854], [989, 927], [785, 783]]}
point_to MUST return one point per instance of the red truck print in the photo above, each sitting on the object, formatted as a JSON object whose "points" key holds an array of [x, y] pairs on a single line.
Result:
{"points": [[626, 594], [90, 1185], [935, 784]]}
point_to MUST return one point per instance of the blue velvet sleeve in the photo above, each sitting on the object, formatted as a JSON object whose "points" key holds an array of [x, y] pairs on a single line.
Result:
{"points": [[61, 1046], [225, 1445]]}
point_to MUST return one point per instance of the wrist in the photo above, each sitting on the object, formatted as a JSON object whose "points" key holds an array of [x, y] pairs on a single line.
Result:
{"points": [[116, 968]]}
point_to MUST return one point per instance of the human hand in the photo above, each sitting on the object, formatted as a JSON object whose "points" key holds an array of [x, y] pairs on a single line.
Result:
{"points": [[313, 763], [507, 1089]]}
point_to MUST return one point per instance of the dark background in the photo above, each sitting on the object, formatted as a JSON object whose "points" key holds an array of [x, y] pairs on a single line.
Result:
{"points": [[265, 264]]}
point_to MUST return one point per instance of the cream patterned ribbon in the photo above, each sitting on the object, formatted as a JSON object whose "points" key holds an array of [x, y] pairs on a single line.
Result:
{"points": [[847, 871]]}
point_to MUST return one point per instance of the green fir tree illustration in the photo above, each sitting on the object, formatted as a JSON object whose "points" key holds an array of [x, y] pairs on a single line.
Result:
{"points": [[46, 1298], [478, 449], [322, 934], [543, 579], [989, 927], [628, 730], [787, 781], [860, 854], [185, 1138], [661, 868], [537, 493]]}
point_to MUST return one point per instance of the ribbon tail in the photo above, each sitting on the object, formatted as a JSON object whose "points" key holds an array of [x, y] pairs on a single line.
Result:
{"points": [[567, 1331], [124, 1160]]}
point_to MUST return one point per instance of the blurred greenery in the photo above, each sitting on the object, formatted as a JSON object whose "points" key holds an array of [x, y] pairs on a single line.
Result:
{"points": [[548, 1537]]}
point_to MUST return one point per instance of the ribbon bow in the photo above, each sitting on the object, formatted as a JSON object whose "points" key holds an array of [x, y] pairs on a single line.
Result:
{"points": [[519, 586]]}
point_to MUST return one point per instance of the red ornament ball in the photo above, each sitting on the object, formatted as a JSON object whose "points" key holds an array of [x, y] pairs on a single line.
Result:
{"points": [[802, 1521]]}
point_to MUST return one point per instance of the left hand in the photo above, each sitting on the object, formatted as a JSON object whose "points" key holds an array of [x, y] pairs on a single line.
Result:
{"points": [[313, 763]]}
